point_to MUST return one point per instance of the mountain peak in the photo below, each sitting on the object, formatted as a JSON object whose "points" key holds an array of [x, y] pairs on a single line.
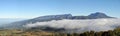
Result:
{"points": [[98, 15]]}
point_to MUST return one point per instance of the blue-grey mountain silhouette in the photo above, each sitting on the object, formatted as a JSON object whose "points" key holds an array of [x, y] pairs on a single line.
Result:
{"points": [[19, 24]]}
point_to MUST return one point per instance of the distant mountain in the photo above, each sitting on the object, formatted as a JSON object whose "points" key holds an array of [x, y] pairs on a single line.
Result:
{"points": [[8, 20], [39, 19], [96, 15], [5, 21]]}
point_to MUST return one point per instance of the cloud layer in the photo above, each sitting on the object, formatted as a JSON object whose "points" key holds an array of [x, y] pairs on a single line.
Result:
{"points": [[80, 25]]}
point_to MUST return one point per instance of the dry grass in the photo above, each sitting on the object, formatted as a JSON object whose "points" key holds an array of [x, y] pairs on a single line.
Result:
{"points": [[15, 32]]}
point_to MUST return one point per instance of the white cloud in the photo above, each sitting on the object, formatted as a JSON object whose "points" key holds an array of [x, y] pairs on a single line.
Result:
{"points": [[80, 25]]}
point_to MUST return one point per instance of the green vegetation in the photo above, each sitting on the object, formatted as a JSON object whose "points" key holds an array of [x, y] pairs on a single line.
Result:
{"points": [[17, 32]]}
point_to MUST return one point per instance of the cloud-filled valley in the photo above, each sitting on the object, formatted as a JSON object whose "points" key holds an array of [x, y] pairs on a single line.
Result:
{"points": [[80, 25]]}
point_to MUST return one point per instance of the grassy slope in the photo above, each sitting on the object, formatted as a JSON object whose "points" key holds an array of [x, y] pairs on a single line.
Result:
{"points": [[16, 32]]}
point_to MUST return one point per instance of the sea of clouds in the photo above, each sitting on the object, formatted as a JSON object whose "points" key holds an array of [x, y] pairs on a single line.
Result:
{"points": [[81, 25]]}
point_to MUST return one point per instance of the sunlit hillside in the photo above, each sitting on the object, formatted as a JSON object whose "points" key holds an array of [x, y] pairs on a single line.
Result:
{"points": [[18, 32]]}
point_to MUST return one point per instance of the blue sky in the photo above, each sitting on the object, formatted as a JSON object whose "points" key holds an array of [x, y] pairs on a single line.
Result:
{"points": [[35, 8]]}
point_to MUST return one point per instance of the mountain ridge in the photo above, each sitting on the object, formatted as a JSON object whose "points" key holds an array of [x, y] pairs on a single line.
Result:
{"points": [[96, 15]]}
